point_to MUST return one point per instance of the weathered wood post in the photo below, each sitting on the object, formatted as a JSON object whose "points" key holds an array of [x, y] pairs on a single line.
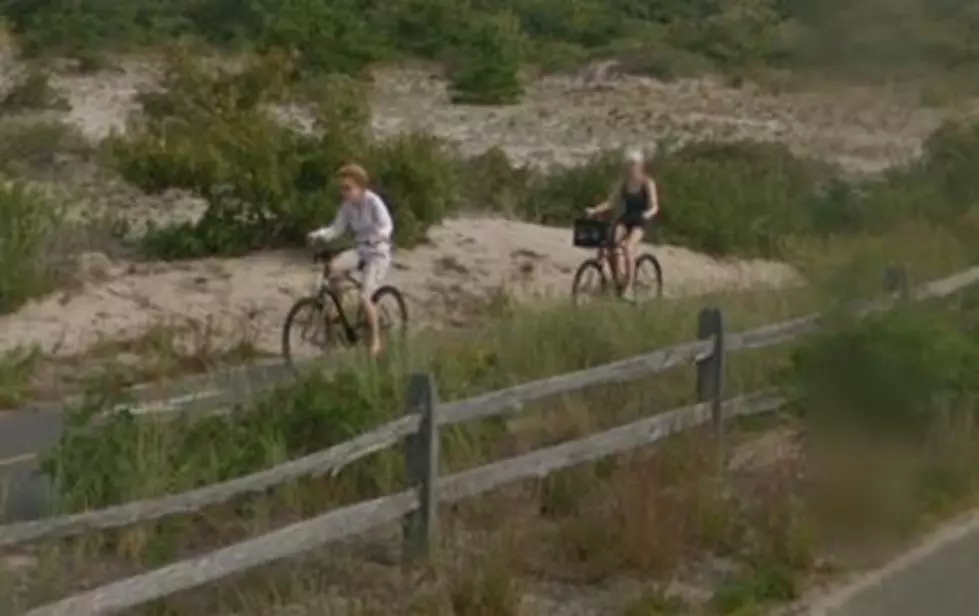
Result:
{"points": [[710, 370], [896, 281], [422, 467]]}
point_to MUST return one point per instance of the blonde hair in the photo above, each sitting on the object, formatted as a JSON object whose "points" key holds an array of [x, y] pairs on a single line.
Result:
{"points": [[354, 172]]}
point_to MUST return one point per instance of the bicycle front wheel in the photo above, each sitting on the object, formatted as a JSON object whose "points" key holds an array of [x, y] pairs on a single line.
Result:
{"points": [[648, 283], [311, 328], [392, 313], [589, 282]]}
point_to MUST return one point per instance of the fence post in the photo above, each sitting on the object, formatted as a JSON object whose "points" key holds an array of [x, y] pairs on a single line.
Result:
{"points": [[710, 369], [422, 467], [896, 281]]}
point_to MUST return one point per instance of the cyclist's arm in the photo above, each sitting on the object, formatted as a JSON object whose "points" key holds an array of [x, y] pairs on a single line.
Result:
{"points": [[653, 206], [337, 228], [608, 204], [601, 208]]}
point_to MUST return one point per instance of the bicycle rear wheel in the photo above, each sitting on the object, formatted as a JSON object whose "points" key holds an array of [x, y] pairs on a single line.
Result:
{"points": [[392, 314], [648, 281], [589, 282], [315, 320]]}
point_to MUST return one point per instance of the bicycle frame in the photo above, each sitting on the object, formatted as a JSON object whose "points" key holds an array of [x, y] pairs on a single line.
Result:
{"points": [[609, 255], [324, 288]]}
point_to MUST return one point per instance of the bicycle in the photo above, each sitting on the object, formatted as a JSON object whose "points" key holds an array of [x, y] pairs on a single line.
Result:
{"points": [[591, 233], [328, 315]]}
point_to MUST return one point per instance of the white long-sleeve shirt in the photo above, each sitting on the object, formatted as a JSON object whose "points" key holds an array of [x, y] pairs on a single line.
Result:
{"points": [[369, 220]]}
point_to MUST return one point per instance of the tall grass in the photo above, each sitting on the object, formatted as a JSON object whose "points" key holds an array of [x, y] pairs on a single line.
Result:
{"points": [[321, 410], [890, 406], [520, 346], [883, 440], [29, 224]]}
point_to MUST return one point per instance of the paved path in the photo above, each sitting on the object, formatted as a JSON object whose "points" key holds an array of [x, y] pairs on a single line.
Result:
{"points": [[29, 432], [938, 578]]}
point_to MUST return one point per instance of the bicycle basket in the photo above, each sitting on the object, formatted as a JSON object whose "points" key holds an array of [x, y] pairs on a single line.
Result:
{"points": [[589, 233]]}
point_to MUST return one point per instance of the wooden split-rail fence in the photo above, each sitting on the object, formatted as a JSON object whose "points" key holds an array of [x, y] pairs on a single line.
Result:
{"points": [[416, 507]]}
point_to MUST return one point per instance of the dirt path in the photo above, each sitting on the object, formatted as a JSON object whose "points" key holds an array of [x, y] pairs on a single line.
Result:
{"points": [[468, 263]]}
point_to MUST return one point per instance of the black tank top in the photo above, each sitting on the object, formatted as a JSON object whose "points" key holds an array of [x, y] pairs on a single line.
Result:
{"points": [[637, 202]]}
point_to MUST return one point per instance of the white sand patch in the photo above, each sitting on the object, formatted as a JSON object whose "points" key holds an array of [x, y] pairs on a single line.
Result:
{"points": [[467, 259]]}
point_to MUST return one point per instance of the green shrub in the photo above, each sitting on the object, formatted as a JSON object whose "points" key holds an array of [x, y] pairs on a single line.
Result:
{"points": [[735, 197], [490, 181], [487, 68], [126, 459], [33, 92], [426, 28], [421, 176], [750, 197], [327, 36], [309, 415], [889, 373], [754, 589], [268, 184], [561, 196], [722, 198], [870, 38], [29, 222], [27, 144]]}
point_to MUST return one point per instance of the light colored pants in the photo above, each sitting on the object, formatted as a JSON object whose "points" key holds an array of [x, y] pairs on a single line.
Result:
{"points": [[373, 265]]}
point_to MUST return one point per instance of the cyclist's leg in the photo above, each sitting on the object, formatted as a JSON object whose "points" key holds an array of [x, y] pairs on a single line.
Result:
{"points": [[630, 248], [604, 260], [340, 268], [619, 234], [375, 268]]}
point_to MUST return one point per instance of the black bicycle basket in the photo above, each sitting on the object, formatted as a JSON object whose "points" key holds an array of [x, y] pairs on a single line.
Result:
{"points": [[590, 233]]}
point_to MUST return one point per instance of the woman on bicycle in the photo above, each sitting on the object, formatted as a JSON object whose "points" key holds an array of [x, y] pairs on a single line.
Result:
{"points": [[635, 201], [366, 216]]}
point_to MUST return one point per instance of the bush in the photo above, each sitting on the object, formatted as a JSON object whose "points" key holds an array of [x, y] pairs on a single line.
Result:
{"points": [[752, 198], [33, 92], [889, 373], [268, 184], [722, 198], [889, 410], [152, 458], [37, 144], [487, 69], [291, 422], [29, 222], [421, 177], [872, 38], [736, 197]]}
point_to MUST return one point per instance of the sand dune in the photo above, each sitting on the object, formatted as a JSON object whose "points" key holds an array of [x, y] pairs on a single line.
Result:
{"points": [[446, 281]]}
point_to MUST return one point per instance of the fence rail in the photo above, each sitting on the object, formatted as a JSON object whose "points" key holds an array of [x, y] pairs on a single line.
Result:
{"points": [[361, 517], [420, 428]]}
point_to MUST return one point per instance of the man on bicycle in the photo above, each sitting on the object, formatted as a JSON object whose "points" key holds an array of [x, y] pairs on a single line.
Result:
{"points": [[635, 202], [367, 217]]}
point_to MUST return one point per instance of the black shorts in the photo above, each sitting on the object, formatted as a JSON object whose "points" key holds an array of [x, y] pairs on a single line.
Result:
{"points": [[630, 223]]}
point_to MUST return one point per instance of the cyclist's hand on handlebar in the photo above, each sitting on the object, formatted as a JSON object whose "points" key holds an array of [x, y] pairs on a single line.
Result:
{"points": [[313, 237]]}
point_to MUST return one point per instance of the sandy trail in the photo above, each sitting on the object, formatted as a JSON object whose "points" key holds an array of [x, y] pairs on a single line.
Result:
{"points": [[468, 261]]}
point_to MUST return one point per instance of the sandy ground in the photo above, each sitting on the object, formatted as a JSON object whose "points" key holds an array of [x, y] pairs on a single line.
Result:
{"points": [[865, 129], [467, 262], [468, 259]]}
